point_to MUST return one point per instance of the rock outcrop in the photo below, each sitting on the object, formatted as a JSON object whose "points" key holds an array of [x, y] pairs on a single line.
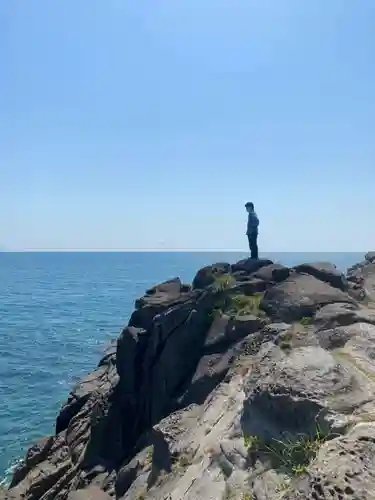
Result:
{"points": [[257, 382]]}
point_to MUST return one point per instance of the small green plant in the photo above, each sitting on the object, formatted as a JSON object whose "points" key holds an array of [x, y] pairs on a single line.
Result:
{"points": [[252, 443], [248, 496], [283, 486], [149, 454], [223, 282], [306, 321], [285, 345], [183, 461], [246, 304], [296, 454], [285, 340], [291, 454], [299, 469]]}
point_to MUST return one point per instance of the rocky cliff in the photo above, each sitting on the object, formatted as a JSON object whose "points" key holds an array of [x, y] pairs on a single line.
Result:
{"points": [[257, 382]]}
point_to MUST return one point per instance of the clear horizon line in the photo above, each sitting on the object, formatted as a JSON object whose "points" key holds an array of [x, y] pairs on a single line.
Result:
{"points": [[167, 250]]}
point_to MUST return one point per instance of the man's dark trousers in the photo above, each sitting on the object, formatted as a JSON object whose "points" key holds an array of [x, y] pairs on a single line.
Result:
{"points": [[253, 244]]}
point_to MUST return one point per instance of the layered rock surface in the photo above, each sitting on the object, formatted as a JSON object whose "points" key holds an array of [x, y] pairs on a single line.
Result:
{"points": [[257, 382]]}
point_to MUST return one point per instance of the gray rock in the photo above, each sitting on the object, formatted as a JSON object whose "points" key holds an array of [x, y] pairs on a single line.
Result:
{"points": [[126, 476], [207, 275], [8, 494], [226, 340], [131, 346], [288, 392], [225, 331], [279, 395], [272, 273], [299, 296], [164, 294], [337, 337], [250, 266], [370, 256], [278, 328], [333, 315], [251, 286], [177, 341], [109, 356], [359, 351], [352, 347], [192, 452], [240, 276], [363, 274], [324, 271], [101, 380], [158, 300], [243, 325], [91, 493], [48, 463], [343, 468]]}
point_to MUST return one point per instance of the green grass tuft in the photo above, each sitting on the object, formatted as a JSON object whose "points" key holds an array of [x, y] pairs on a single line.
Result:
{"points": [[184, 461], [246, 304], [285, 345], [223, 282], [306, 321], [252, 443], [149, 454], [292, 455]]}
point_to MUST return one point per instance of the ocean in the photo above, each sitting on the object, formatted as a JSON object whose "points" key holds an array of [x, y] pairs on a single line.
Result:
{"points": [[59, 312]]}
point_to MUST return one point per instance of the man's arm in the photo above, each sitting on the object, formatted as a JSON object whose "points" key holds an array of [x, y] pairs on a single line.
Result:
{"points": [[252, 223]]}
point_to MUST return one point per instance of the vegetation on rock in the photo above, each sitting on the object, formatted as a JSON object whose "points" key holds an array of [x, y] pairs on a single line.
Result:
{"points": [[306, 321], [292, 454], [246, 304], [223, 282]]}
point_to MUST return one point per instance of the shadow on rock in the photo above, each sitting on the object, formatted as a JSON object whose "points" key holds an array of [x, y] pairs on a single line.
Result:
{"points": [[161, 457]]}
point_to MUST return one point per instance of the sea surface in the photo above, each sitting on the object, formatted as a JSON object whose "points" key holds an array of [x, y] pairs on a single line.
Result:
{"points": [[59, 311]]}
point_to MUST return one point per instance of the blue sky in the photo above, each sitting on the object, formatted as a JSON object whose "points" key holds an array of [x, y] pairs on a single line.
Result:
{"points": [[148, 124]]}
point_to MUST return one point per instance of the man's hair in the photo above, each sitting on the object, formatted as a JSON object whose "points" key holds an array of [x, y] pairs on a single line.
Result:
{"points": [[250, 204]]}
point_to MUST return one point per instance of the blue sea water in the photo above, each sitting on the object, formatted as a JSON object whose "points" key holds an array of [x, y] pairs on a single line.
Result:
{"points": [[58, 312]]}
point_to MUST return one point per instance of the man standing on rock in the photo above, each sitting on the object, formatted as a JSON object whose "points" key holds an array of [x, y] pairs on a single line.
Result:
{"points": [[252, 229]]}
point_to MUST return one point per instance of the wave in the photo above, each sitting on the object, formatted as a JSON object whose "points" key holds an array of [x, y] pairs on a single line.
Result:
{"points": [[9, 471]]}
